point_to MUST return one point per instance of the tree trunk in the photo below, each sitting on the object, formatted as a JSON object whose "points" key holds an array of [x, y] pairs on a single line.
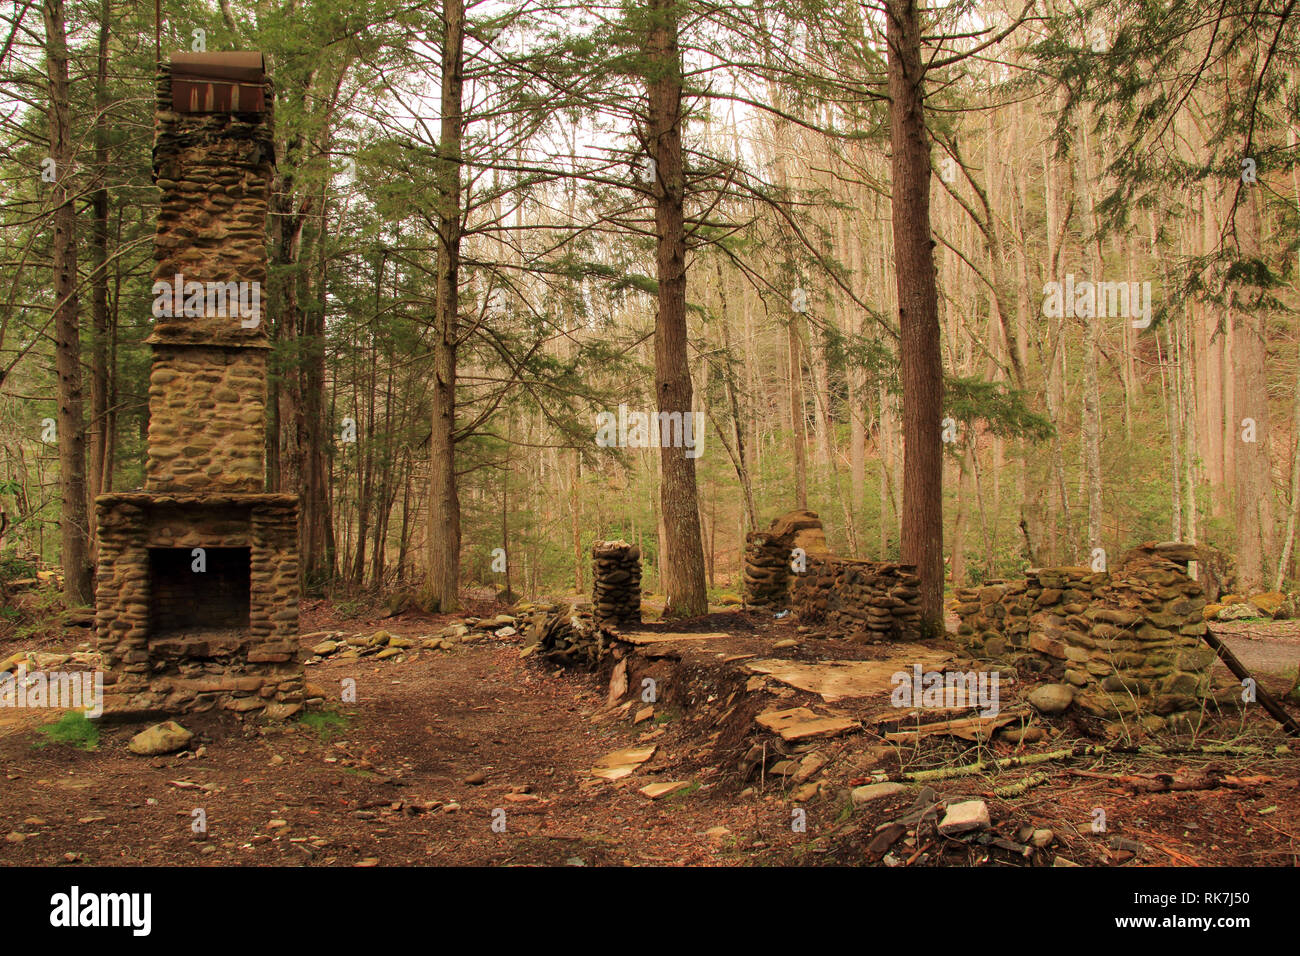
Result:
{"points": [[733, 403], [798, 424], [98, 430], [73, 521], [684, 583], [1253, 491], [316, 523], [857, 393], [1091, 346], [444, 503], [1168, 377], [957, 563], [918, 312], [1293, 511], [575, 511]]}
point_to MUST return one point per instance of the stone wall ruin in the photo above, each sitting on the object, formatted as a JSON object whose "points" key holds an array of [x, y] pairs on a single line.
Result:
{"points": [[1128, 640], [865, 601], [768, 569], [862, 600]]}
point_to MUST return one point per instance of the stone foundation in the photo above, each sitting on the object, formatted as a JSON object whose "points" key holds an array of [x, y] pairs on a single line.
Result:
{"points": [[1128, 640]]}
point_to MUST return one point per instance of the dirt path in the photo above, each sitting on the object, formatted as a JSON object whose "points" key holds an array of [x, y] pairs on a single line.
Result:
{"points": [[418, 731]]}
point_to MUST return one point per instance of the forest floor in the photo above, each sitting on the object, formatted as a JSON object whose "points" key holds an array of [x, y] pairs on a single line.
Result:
{"points": [[474, 756]]}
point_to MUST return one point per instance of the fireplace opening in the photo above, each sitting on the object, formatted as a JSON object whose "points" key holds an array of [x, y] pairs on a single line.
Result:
{"points": [[198, 593]]}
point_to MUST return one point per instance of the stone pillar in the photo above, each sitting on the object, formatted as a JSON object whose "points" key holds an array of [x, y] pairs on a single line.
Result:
{"points": [[616, 582], [122, 596]]}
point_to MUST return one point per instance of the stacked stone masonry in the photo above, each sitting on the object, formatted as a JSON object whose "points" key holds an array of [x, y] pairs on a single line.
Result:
{"points": [[767, 570], [214, 171], [616, 582], [789, 565], [867, 601], [768, 556], [206, 408], [153, 670], [1129, 640], [207, 389]]}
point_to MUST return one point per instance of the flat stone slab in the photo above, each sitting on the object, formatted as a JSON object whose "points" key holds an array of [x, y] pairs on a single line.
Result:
{"points": [[800, 723], [964, 817], [835, 680], [656, 790], [622, 763], [876, 791], [642, 638]]}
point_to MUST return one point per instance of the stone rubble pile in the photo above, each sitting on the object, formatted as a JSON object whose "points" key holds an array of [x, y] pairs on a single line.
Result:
{"points": [[32, 661], [616, 582], [768, 556], [866, 601], [567, 636], [1274, 605], [383, 646], [1128, 641], [955, 820]]}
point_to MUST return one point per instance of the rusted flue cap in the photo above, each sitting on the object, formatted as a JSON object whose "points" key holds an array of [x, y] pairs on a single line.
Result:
{"points": [[218, 82]]}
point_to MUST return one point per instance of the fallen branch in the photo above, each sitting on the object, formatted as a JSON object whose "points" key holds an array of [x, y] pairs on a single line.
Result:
{"points": [[1163, 782], [967, 728], [1189, 780], [1006, 763], [1088, 750], [919, 850], [1020, 787]]}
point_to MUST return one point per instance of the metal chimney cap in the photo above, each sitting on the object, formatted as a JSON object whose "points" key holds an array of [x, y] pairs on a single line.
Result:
{"points": [[248, 67], [218, 82]]}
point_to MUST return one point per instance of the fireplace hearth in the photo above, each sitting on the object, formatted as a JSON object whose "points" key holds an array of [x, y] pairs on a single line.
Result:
{"points": [[194, 589]]}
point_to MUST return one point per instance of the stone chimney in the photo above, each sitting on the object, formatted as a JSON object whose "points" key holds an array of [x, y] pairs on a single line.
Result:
{"points": [[197, 584], [207, 392]]}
